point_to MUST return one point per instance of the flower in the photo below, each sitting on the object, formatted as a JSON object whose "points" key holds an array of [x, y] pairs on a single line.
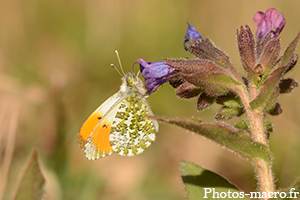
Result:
{"points": [[155, 74], [191, 34], [269, 21]]}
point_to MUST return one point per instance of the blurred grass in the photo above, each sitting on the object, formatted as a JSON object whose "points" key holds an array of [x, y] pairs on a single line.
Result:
{"points": [[55, 59]]}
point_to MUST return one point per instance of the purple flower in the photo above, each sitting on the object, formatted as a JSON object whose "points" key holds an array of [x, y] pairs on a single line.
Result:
{"points": [[155, 74], [191, 34], [269, 21]]}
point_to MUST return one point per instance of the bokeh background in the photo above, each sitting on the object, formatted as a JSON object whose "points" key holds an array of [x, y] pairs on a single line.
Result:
{"points": [[55, 70]]}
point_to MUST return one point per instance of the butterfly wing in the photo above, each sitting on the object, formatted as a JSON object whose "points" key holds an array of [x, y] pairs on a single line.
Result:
{"points": [[120, 123], [132, 132], [93, 136]]}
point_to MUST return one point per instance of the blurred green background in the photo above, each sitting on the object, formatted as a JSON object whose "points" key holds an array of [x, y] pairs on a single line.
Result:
{"points": [[55, 70]]}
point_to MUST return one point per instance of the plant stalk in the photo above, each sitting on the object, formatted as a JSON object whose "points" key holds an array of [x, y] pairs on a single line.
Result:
{"points": [[256, 121]]}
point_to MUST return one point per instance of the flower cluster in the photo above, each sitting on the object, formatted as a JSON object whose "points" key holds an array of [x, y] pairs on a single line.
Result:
{"points": [[213, 78]]}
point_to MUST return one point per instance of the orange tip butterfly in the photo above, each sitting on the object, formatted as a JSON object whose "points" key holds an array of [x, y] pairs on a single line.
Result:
{"points": [[119, 125]]}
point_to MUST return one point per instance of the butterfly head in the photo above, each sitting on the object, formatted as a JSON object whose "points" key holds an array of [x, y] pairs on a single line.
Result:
{"points": [[132, 83]]}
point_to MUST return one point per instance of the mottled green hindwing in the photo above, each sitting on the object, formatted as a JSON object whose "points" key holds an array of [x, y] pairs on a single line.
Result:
{"points": [[132, 132]]}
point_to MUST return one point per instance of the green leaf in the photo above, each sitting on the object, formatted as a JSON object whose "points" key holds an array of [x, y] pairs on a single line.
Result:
{"points": [[32, 184], [252, 75], [233, 103], [273, 100], [231, 100], [227, 136], [212, 90], [288, 59], [293, 62], [208, 76], [226, 113], [268, 126], [201, 184], [289, 51], [268, 88], [243, 125], [214, 78]]}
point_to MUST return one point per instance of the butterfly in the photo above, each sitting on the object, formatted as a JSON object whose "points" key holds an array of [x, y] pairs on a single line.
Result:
{"points": [[119, 125]]}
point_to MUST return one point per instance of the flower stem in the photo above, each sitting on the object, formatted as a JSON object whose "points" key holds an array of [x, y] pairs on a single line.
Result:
{"points": [[265, 177], [256, 121]]}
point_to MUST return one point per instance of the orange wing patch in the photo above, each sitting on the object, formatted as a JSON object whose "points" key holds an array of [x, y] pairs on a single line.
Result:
{"points": [[97, 135], [88, 127], [100, 137]]}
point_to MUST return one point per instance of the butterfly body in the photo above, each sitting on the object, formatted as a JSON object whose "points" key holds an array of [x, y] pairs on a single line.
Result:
{"points": [[119, 124]]}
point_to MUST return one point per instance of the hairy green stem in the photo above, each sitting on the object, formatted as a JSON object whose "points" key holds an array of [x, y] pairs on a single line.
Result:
{"points": [[256, 119], [264, 176]]}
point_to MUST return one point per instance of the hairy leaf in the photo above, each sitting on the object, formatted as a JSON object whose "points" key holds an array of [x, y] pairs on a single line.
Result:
{"points": [[214, 78], [276, 110], [201, 183], [268, 126], [291, 64], [226, 113], [261, 43], [227, 136], [230, 100], [268, 88], [243, 125], [204, 101], [176, 81], [197, 65], [287, 85], [246, 46], [206, 75], [187, 90], [289, 51], [270, 53], [205, 49], [273, 100], [252, 75]]}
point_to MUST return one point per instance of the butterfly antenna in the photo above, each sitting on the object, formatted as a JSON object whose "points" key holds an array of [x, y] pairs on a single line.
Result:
{"points": [[121, 67], [133, 69], [117, 69], [138, 73]]}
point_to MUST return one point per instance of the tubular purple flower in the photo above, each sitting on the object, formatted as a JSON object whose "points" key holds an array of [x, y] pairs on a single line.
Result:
{"points": [[154, 73], [191, 34], [269, 21]]}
